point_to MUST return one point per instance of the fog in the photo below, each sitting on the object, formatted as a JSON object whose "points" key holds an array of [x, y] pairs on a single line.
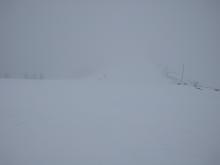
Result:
{"points": [[104, 97], [75, 39]]}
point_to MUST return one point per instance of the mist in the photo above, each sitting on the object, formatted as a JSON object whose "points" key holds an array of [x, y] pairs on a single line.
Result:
{"points": [[112, 82], [75, 39]]}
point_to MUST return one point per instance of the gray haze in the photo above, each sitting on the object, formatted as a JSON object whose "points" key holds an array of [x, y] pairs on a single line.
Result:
{"points": [[64, 38], [118, 108]]}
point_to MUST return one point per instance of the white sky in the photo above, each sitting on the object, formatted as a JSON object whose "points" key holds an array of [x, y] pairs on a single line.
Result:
{"points": [[79, 38]]}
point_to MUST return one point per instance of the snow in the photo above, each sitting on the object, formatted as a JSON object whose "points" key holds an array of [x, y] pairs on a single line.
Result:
{"points": [[95, 82], [99, 121]]}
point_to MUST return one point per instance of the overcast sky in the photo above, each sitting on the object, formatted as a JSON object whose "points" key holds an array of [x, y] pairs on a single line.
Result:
{"points": [[79, 38]]}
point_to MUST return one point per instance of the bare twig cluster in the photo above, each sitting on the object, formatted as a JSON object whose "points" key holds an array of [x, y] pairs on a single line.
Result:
{"points": [[22, 76], [180, 80]]}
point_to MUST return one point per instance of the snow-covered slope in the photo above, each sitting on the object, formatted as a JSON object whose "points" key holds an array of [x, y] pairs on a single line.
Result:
{"points": [[114, 107], [106, 121]]}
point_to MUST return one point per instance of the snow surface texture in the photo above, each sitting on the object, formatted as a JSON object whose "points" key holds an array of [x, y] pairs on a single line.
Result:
{"points": [[91, 89], [90, 122]]}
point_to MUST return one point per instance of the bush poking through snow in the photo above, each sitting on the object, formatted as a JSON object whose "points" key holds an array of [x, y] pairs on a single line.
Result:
{"points": [[196, 84]]}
